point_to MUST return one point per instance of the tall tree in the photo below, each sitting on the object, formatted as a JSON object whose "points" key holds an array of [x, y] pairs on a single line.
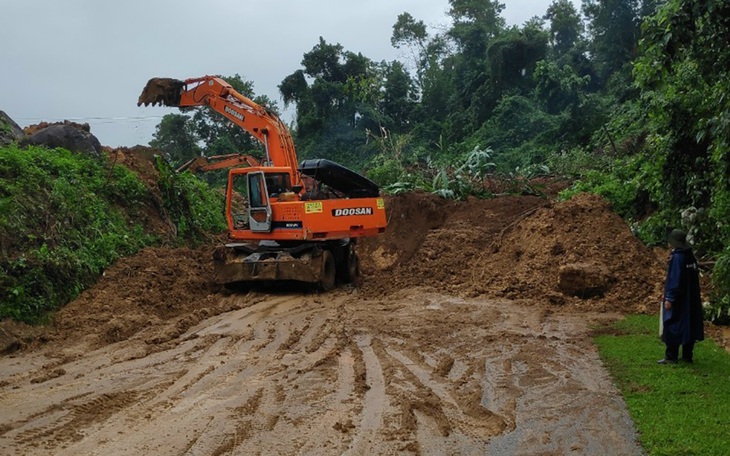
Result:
{"points": [[337, 94], [398, 97], [566, 26], [426, 51], [476, 23], [176, 136], [614, 28]]}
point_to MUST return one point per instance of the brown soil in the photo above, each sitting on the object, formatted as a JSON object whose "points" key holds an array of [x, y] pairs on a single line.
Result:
{"points": [[511, 247], [458, 340]]}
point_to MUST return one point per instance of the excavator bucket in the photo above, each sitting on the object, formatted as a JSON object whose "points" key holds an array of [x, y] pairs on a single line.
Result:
{"points": [[162, 91]]}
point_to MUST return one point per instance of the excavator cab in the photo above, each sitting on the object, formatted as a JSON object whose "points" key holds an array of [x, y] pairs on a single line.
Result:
{"points": [[252, 194]]}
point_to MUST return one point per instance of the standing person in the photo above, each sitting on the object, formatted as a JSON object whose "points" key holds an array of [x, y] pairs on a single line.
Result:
{"points": [[681, 307]]}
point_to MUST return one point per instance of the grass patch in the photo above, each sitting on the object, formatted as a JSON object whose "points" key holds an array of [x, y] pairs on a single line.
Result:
{"points": [[681, 409]]}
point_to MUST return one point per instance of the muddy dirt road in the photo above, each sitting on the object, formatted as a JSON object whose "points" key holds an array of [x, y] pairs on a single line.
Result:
{"points": [[462, 338], [418, 373]]}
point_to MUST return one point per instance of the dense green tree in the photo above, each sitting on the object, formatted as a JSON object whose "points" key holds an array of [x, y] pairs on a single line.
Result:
{"points": [[409, 32], [685, 79], [398, 98], [476, 22], [566, 27], [513, 58], [559, 87], [176, 136], [426, 51], [614, 28], [335, 102]]}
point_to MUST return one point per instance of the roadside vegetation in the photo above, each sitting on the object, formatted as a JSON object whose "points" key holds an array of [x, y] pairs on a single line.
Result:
{"points": [[65, 217], [681, 409]]}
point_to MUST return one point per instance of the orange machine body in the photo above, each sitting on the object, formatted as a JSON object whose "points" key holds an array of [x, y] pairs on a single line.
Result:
{"points": [[279, 229]]}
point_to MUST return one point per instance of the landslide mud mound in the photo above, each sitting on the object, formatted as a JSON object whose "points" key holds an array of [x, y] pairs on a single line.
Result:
{"points": [[435, 242], [167, 289], [512, 247], [583, 235], [517, 247]]}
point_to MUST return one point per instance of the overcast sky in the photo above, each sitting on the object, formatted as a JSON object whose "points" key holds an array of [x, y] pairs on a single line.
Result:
{"points": [[88, 60]]}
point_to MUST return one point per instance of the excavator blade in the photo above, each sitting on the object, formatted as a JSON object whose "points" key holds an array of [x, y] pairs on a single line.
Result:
{"points": [[162, 91]]}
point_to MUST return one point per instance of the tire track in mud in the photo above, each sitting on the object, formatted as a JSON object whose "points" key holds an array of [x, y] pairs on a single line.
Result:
{"points": [[372, 387], [333, 374]]}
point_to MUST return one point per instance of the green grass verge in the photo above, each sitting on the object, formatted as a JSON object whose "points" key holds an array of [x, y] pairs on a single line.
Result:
{"points": [[681, 409]]}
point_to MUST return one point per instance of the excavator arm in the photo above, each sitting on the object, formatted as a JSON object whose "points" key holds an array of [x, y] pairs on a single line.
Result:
{"points": [[220, 96], [203, 164]]}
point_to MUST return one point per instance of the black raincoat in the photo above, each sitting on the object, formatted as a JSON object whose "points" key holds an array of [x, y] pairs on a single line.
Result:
{"points": [[683, 323]]}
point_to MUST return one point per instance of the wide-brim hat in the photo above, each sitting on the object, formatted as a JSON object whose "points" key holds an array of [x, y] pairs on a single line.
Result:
{"points": [[678, 239]]}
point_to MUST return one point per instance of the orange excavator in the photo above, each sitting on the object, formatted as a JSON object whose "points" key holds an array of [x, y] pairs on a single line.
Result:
{"points": [[286, 221]]}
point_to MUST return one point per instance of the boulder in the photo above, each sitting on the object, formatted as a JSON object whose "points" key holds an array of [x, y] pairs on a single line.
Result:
{"points": [[9, 130], [74, 137], [584, 280]]}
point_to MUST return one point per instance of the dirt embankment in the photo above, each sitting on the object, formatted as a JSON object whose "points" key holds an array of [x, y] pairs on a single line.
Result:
{"points": [[514, 247]]}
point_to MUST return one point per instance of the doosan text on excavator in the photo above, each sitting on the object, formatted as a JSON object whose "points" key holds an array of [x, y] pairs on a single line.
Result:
{"points": [[279, 227]]}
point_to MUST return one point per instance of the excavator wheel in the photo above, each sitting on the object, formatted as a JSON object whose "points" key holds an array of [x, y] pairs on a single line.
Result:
{"points": [[328, 276]]}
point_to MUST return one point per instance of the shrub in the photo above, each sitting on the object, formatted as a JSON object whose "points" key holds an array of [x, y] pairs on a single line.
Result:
{"points": [[62, 222], [195, 209]]}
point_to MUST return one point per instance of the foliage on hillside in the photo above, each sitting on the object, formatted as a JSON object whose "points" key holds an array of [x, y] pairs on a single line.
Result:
{"points": [[65, 217]]}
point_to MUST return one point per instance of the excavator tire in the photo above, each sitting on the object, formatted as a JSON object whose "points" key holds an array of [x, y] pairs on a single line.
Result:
{"points": [[328, 277], [162, 91]]}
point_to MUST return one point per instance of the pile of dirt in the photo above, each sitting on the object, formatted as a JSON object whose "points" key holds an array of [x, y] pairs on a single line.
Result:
{"points": [[436, 242], [579, 235], [158, 287], [576, 252], [140, 159]]}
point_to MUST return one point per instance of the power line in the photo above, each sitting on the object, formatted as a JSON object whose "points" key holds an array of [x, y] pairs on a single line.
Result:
{"points": [[118, 119]]}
